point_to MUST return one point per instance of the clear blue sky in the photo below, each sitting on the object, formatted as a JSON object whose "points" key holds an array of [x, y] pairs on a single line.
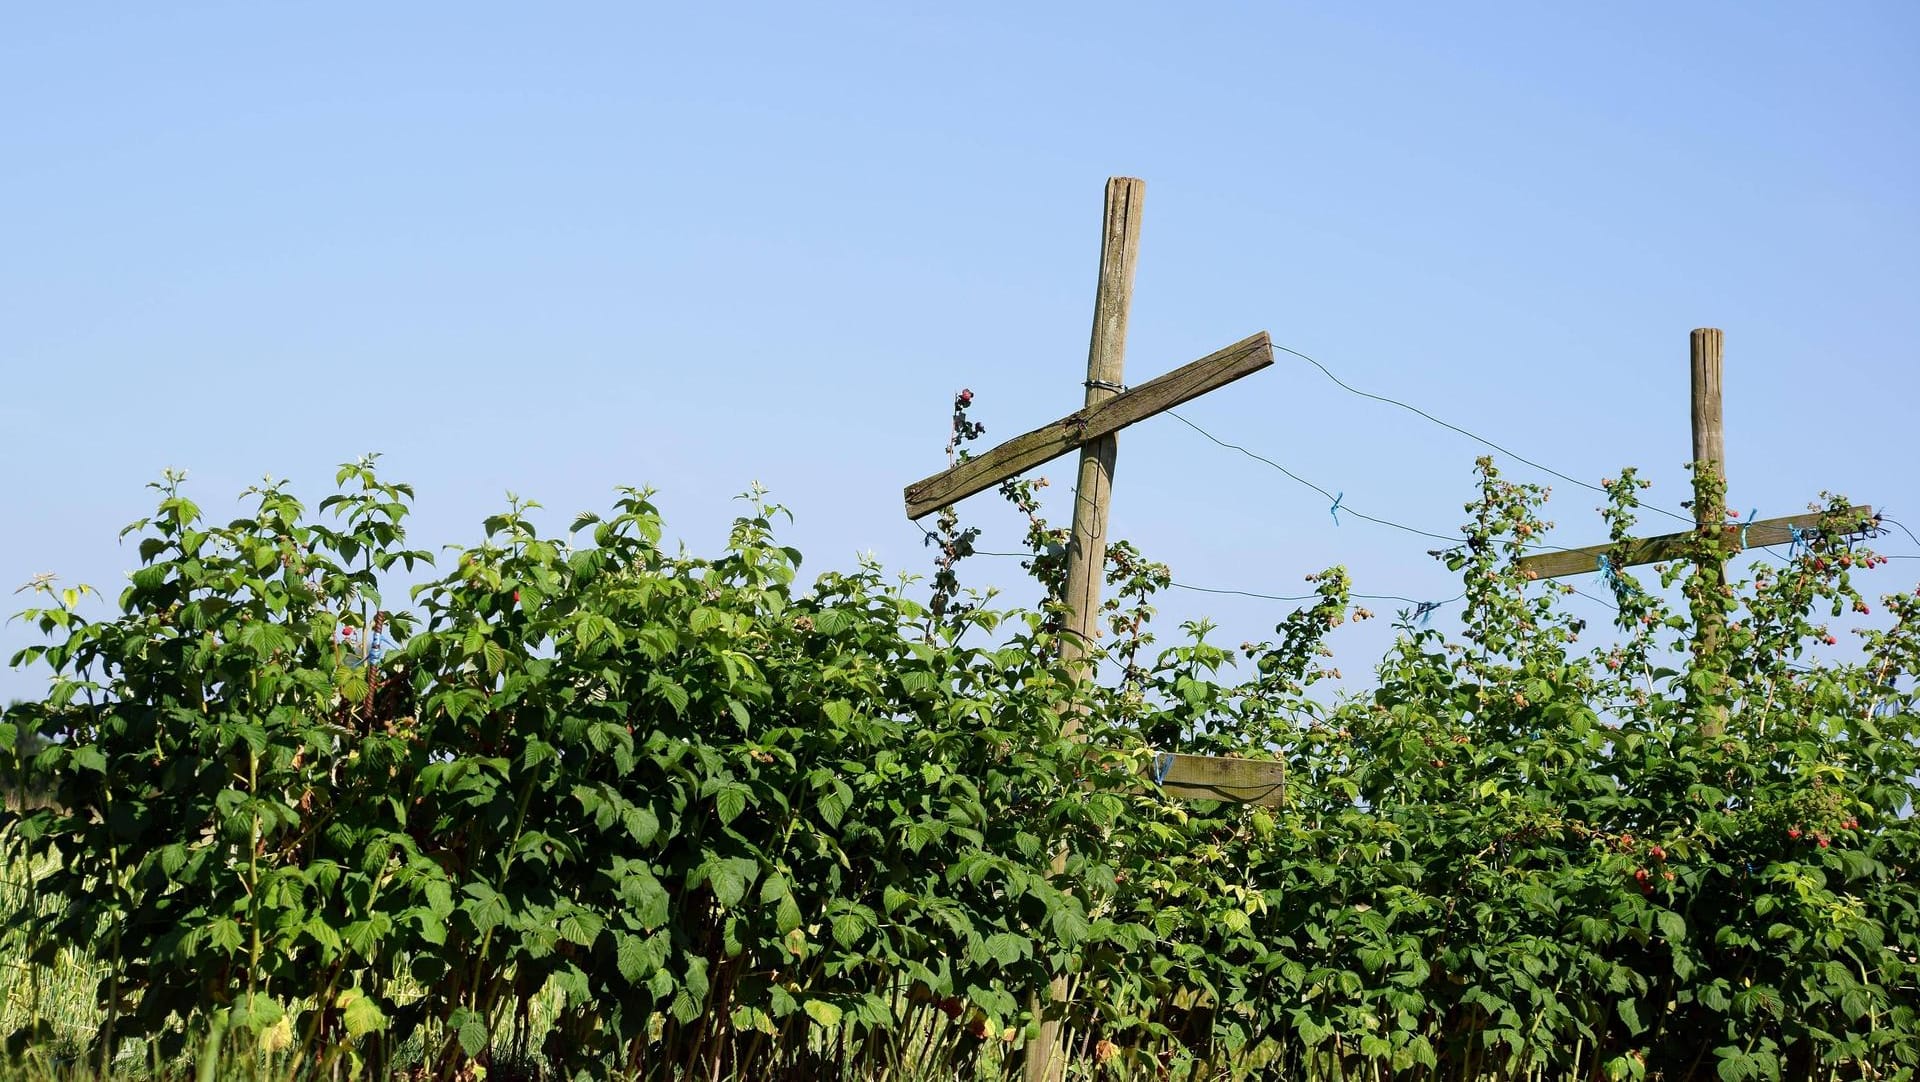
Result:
{"points": [[558, 248]]}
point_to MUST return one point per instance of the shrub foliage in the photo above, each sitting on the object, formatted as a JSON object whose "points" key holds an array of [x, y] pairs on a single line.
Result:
{"points": [[720, 822]]}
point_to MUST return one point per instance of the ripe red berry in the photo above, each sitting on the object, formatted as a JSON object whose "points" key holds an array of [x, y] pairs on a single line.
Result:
{"points": [[1640, 874], [1823, 841], [1830, 640], [1657, 853], [1793, 833]]}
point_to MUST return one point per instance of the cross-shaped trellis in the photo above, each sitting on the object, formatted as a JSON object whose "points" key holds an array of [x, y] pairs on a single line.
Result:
{"points": [[1709, 514], [1109, 407]]}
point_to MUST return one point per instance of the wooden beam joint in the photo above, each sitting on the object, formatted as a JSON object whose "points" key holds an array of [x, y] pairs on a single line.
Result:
{"points": [[1089, 423]]}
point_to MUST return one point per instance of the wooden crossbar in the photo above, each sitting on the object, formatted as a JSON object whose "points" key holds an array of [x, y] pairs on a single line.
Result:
{"points": [[1674, 546], [1221, 777], [1024, 452]]}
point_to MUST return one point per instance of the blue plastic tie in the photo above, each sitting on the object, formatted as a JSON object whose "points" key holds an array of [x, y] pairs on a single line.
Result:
{"points": [[1162, 763], [1335, 509], [1614, 581], [1798, 537], [1423, 612], [1745, 525], [377, 646]]}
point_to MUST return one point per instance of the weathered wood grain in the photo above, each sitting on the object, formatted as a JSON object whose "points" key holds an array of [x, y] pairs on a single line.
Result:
{"points": [[1220, 777], [1024, 452], [1708, 606], [1674, 546]]}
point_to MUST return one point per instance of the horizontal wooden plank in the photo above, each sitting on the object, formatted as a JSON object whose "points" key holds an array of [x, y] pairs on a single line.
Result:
{"points": [[1220, 777], [1024, 452], [1673, 546]]}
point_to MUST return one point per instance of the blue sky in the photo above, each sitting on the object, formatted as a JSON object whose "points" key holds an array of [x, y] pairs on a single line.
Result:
{"points": [[555, 249]]}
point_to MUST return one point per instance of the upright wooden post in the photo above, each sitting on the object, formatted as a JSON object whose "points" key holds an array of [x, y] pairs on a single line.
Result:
{"points": [[1710, 516], [1087, 550], [1106, 361]]}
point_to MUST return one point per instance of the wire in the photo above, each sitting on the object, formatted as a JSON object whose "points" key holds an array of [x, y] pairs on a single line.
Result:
{"points": [[1456, 428], [1243, 593], [1903, 529], [1305, 597], [1339, 500], [931, 536], [1599, 600], [1455, 538]]}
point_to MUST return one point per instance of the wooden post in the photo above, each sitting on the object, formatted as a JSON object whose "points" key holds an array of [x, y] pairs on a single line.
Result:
{"points": [[1106, 360], [1710, 515], [1091, 430], [1087, 550]]}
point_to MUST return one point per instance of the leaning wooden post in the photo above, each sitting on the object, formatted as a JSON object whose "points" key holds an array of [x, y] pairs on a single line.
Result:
{"points": [[1087, 550], [1707, 599]]}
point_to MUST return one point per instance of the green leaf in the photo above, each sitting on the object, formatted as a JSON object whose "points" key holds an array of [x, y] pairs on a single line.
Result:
{"points": [[848, 927], [224, 934], [1070, 924], [484, 906], [1006, 947], [1672, 925], [773, 888], [786, 917], [1629, 1012], [645, 897], [730, 878], [834, 802], [472, 1029], [360, 1014], [642, 825], [822, 1012], [674, 694], [581, 926], [730, 802], [631, 954]]}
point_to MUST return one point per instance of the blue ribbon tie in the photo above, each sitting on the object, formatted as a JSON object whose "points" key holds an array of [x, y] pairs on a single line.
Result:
{"points": [[1162, 763]]}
